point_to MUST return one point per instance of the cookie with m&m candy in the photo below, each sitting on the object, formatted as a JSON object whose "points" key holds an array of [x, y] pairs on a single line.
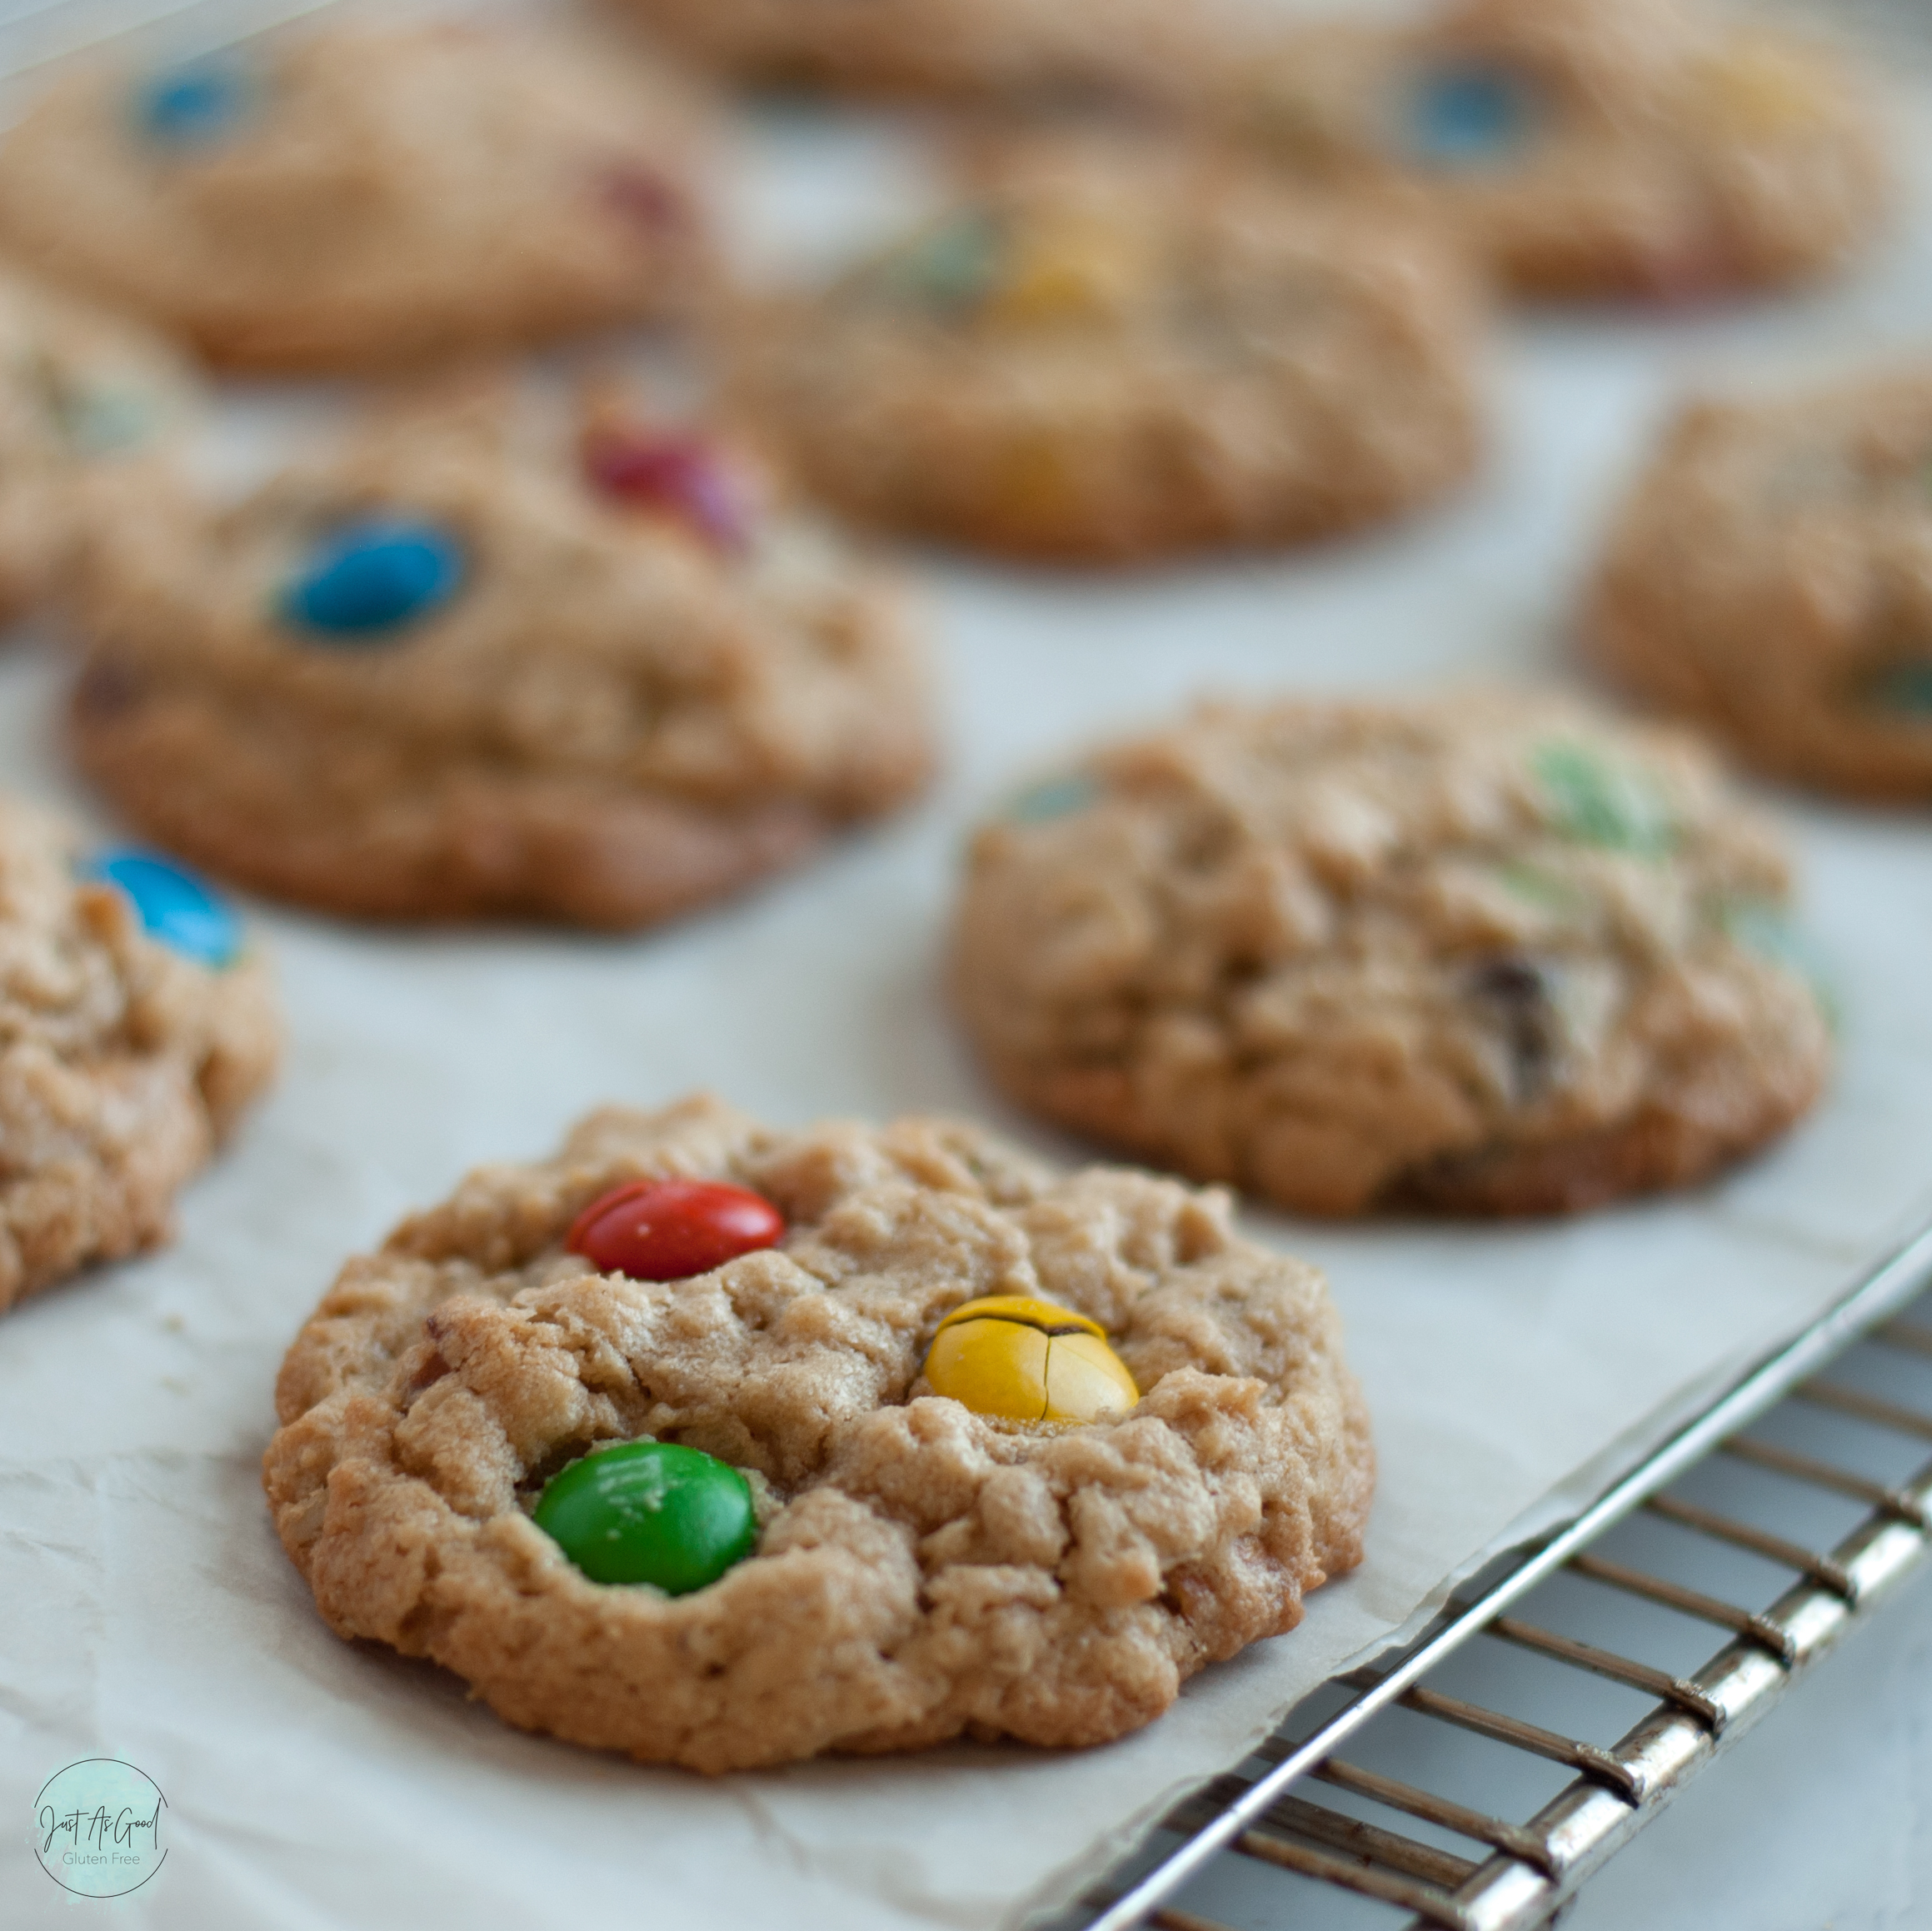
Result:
{"points": [[1106, 351], [592, 667], [94, 407], [347, 196], [1763, 578], [727, 1445], [1656, 149], [137, 1026], [1491, 953]]}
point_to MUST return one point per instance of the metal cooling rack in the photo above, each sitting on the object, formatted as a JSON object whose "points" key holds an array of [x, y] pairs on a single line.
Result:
{"points": [[1795, 1472]]}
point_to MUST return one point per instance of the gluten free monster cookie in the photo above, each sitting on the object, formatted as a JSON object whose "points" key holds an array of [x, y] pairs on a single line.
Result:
{"points": [[1107, 354], [800, 1409], [364, 194], [87, 402], [1645, 147], [1767, 577], [134, 1028], [1487, 955], [460, 671]]}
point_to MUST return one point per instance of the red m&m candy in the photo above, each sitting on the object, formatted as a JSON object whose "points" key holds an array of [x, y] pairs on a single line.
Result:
{"points": [[671, 1229], [680, 476]]}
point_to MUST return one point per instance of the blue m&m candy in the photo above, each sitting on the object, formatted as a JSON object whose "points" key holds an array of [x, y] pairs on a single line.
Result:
{"points": [[174, 905], [372, 577], [1470, 116], [194, 105]]}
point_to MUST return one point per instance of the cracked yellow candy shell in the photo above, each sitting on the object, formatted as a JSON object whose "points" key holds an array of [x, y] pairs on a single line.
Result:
{"points": [[1018, 1359]]}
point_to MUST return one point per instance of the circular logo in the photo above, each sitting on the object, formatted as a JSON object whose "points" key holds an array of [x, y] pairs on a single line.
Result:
{"points": [[97, 1827]]}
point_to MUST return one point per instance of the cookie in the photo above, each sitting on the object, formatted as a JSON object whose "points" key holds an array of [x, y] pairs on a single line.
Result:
{"points": [[884, 1567], [1647, 148], [134, 1027], [1766, 577], [1108, 354], [1007, 50], [456, 672], [364, 195], [1487, 954], [87, 402]]}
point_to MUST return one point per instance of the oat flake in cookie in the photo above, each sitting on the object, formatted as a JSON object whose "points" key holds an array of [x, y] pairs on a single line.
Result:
{"points": [[364, 194], [88, 404], [134, 1028], [460, 670], [919, 1571], [1488, 955], [1585, 148], [1108, 354], [1767, 578]]}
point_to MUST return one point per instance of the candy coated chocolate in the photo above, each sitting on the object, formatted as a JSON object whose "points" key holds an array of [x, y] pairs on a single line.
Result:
{"points": [[651, 1512], [1020, 1359], [673, 1230], [1469, 115], [175, 907], [194, 105], [373, 577]]}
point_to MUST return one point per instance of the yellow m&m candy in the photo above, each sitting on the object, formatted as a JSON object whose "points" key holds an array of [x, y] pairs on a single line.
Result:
{"points": [[1020, 1359]]}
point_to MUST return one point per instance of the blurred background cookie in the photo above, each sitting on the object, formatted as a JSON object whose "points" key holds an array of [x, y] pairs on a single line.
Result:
{"points": [[87, 401], [134, 1027], [449, 674], [1640, 148], [1009, 50], [1769, 576], [1487, 955], [358, 195], [1111, 353]]}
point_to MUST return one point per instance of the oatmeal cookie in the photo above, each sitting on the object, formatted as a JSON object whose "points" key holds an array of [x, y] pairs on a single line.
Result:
{"points": [[133, 1031], [365, 194], [1125, 50], [1768, 577], [1487, 954], [455, 671], [1106, 354], [921, 1571], [87, 403], [1645, 148]]}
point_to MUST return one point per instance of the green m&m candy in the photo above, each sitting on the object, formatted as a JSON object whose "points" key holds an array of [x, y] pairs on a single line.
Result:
{"points": [[651, 1511]]}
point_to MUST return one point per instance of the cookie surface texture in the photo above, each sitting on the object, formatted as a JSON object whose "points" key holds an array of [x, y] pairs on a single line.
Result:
{"points": [[1137, 50], [444, 674], [89, 403], [1643, 149], [922, 1573], [1103, 354], [365, 195], [124, 1063], [1485, 954], [1766, 579]]}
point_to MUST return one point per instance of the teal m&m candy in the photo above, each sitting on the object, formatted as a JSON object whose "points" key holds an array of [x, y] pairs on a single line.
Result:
{"points": [[194, 105], [651, 1511], [372, 577], [1468, 116], [174, 905]]}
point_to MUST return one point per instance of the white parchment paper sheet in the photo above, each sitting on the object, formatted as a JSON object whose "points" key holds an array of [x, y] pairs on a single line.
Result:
{"points": [[150, 1613]]}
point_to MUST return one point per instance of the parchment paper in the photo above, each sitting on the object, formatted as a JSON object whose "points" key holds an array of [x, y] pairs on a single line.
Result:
{"points": [[149, 1612]]}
